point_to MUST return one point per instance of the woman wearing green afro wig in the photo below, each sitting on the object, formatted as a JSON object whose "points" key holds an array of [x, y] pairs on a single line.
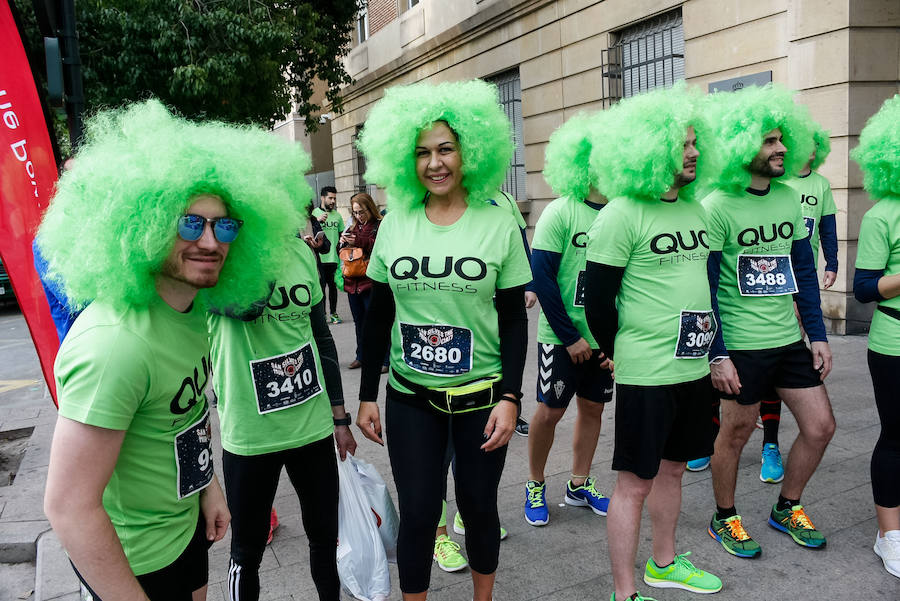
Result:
{"points": [[442, 256], [112, 221]]}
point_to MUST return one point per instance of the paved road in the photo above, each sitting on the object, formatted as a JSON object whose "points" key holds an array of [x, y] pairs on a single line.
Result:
{"points": [[566, 560]]}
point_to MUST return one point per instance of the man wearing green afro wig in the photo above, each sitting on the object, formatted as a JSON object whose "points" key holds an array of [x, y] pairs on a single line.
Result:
{"points": [[760, 262], [141, 225]]}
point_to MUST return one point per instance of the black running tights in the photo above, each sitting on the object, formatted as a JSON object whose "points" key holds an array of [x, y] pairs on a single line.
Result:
{"points": [[250, 484], [886, 456], [417, 439], [329, 287]]}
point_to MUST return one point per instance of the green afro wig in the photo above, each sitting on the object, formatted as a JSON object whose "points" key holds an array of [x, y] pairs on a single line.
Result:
{"points": [[822, 141], [112, 223], [878, 153], [567, 160], [470, 108], [642, 145], [732, 127]]}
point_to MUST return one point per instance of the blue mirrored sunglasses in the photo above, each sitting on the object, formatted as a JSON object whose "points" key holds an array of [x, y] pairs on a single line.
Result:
{"points": [[225, 229]]}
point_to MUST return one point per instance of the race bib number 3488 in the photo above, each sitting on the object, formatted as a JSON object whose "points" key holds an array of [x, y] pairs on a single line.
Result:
{"points": [[285, 380], [439, 350], [765, 275]]}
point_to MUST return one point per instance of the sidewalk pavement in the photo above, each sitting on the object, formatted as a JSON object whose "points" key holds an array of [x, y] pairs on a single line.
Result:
{"points": [[565, 560]]}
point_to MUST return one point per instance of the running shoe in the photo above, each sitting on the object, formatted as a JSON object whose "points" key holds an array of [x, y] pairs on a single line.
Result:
{"points": [[586, 496], [536, 511], [732, 536], [681, 574], [797, 524], [698, 465], [521, 427], [887, 547], [771, 469], [636, 597], [460, 528], [447, 555], [335, 318]]}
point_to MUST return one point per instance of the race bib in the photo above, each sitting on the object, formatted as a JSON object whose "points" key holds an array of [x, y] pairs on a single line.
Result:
{"points": [[579, 290], [439, 350], [285, 380], [770, 275], [193, 457], [696, 331], [810, 226]]}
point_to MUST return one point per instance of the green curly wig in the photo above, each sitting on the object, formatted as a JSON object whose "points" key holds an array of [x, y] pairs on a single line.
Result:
{"points": [[732, 127], [878, 153], [112, 223], [822, 140], [567, 159], [643, 144], [470, 108]]}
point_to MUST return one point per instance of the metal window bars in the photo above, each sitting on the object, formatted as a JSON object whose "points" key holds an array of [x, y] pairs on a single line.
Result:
{"points": [[510, 87]]}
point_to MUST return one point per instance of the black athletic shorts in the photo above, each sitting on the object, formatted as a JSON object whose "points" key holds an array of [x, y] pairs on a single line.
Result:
{"points": [[762, 371], [176, 581], [673, 422], [559, 379]]}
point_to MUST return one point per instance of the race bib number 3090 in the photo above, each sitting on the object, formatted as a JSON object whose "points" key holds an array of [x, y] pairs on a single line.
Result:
{"points": [[765, 275], [439, 350], [193, 457], [696, 330], [285, 380]]}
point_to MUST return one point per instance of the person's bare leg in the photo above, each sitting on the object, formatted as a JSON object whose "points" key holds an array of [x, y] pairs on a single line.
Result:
{"points": [[415, 596], [888, 519], [584, 439], [199, 594], [664, 505], [483, 584], [737, 424], [540, 438], [623, 527], [812, 410]]}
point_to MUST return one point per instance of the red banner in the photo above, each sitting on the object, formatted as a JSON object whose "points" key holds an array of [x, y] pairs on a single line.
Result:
{"points": [[27, 175]]}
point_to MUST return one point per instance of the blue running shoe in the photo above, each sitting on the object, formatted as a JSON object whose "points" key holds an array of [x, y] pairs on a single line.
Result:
{"points": [[771, 469], [586, 496], [698, 465], [536, 511]]}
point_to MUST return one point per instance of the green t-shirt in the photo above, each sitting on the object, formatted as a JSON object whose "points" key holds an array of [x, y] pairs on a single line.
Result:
{"points": [[332, 226], [665, 316], [143, 370], [755, 234], [816, 201], [879, 248], [268, 373], [443, 279], [562, 229]]}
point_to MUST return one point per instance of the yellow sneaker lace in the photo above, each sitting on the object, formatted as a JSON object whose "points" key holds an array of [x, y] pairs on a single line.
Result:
{"points": [[445, 546], [736, 528], [799, 517]]}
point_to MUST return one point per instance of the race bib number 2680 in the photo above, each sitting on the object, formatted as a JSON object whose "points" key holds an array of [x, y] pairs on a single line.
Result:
{"points": [[765, 275], [439, 350]]}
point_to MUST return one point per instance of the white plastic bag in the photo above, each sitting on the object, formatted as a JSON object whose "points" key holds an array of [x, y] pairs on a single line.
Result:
{"points": [[361, 560], [382, 505]]}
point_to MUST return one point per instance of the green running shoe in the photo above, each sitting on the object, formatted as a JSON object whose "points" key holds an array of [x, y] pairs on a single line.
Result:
{"points": [[447, 555], [734, 539], [681, 574], [795, 522], [636, 597], [460, 528]]}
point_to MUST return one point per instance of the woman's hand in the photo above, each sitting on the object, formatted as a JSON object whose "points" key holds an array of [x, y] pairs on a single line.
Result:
{"points": [[348, 239], [368, 420], [500, 425], [345, 441]]}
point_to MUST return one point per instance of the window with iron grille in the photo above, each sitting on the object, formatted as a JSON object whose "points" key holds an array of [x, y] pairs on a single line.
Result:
{"points": [[359, 165], [644, 56], [510, 87], [362, 24]]}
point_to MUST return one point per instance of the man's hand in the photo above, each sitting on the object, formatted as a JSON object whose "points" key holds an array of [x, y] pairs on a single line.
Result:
{"points": [[369, 421], [821, 353], [828, 279], [322, 217], [725, 377], [579, 351], [530, 299], [500, 425], [345, 441], [215, 511]]}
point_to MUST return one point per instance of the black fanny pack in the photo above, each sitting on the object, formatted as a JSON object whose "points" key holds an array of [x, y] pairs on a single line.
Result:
{"points": [[482, 393], [890, 311]]}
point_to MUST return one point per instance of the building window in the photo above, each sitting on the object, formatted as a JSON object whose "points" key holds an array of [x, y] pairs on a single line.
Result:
{"points": [[359, 165], [409, 3], [510, 87], [362, 24], [644, 56]]}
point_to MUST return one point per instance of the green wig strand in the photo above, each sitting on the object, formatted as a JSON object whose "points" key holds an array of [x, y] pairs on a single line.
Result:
{"points": [[470, 108], [732, 128], [878, 153], [567, 159], [112, 222], [642, 145], [822, 140]]}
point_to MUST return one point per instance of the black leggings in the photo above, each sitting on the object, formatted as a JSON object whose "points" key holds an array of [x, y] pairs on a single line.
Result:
{"points": [[886, 456], [329, 287], [417, 439], [250, 485]]}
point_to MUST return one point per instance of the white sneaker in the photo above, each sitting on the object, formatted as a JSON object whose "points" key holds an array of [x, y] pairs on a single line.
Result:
{"points": [[887, 547]]}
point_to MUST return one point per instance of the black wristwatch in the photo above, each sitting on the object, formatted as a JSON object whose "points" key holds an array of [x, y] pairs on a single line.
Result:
{"points": [[343, 421]]}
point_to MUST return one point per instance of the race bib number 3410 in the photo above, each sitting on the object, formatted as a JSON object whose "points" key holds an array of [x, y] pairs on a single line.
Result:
{"points": [[439, 350], [765, 275], [285, 380]]}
